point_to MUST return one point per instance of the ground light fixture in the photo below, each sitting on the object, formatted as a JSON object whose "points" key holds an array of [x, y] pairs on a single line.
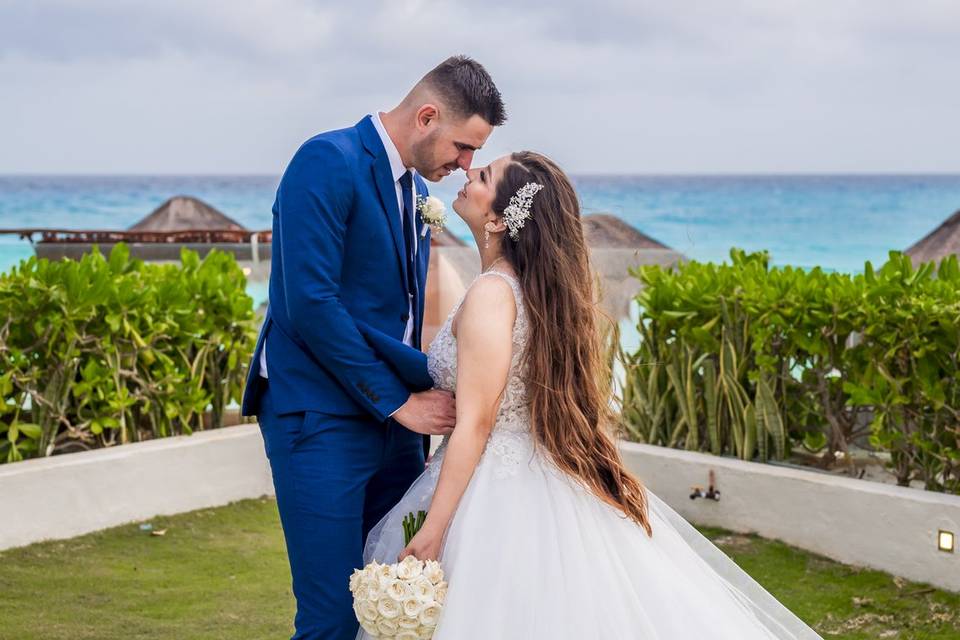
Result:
{"points": [[945, 541]]}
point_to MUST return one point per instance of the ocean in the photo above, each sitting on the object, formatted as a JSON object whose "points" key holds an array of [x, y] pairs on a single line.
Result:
{"points": [[835, 221]]}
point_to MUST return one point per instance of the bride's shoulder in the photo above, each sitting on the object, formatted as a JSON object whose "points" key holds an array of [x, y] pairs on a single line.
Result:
{"points": [[489, 300]]}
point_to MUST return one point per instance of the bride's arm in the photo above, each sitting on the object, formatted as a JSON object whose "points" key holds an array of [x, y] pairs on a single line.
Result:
{"points": [[484, 330]]}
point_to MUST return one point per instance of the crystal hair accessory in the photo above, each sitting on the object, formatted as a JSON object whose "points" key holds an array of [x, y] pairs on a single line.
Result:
{"points": [[517, 212]]}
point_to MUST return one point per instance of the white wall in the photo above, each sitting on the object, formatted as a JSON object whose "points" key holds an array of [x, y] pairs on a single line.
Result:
{"points": [[853, 521], [65, 496]]}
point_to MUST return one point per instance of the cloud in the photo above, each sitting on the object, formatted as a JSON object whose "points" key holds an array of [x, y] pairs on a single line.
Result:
{"points": [[65, 30], [745, 85]]}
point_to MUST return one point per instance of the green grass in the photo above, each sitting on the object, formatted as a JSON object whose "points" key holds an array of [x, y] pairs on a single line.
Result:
{"points": [[216, 573], [842, 601], [222, 573]]}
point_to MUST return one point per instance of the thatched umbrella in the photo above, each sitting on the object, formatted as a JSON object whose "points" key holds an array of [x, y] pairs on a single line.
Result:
{"points": [[615, 247], [444, 282], [445, 239], [939, 243], [185, 212], [610, 232]]}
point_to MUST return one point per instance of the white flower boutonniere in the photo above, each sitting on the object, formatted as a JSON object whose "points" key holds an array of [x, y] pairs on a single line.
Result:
{"points": [[432, 212]]}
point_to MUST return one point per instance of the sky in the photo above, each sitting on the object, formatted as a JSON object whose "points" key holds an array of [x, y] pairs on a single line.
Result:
{"points": [[624, 87]]}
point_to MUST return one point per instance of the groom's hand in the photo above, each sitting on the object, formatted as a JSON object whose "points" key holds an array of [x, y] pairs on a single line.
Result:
{"points": [[431, 413]]}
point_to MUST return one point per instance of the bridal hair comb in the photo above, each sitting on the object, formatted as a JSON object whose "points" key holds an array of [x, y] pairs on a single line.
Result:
{"points": [[517, 212]]}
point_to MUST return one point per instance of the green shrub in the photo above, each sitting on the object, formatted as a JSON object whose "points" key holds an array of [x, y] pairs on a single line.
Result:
{"points": [[747, 360], [103, 351]]}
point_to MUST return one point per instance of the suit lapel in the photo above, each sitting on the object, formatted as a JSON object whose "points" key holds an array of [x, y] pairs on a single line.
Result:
{"points": [[423, 263], [422, 260], [383, 178]]}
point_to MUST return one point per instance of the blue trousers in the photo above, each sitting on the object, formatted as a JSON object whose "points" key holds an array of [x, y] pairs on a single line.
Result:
{"points": [[335, 478]]}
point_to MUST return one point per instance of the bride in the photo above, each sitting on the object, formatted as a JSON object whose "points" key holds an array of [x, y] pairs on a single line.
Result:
{"points": [[541, 531]]}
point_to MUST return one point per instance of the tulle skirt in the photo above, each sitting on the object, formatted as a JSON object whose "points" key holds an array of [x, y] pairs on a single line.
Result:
{"points": [[532, 554]]}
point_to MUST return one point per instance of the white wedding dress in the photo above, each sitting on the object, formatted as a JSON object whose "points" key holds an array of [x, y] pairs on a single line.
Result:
{"points": [[531, 554]]}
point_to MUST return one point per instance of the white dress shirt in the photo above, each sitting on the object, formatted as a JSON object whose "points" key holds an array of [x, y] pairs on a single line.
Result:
{"points": [[397, 169]]}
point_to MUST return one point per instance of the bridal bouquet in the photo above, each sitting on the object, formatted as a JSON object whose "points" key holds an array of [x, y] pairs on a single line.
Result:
{"points": [[401, 600]]}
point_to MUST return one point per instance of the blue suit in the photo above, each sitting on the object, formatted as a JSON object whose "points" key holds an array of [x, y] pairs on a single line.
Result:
{"points": [[337, 366]]}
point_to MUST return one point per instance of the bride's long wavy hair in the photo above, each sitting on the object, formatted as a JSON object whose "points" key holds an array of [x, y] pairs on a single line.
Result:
{"points": [[567, 372]]}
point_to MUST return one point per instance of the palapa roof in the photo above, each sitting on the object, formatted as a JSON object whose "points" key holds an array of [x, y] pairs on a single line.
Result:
{"points": [[939, 243], [602, 230], [445, 239], [185, 212], [609, 231]]}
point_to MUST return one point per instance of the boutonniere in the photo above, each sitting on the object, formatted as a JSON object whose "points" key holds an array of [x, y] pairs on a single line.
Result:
{"points": [[432, 212]]}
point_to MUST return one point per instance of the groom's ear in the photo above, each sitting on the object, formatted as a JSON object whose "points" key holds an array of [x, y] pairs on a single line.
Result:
{"points": [[427, 115]]}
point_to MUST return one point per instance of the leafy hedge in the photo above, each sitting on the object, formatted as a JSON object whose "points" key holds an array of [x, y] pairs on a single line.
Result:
{"points": [[103, 351], [744, 359]]}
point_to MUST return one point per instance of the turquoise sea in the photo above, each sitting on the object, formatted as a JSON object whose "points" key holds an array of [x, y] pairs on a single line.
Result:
{"points": [[835, 221]]}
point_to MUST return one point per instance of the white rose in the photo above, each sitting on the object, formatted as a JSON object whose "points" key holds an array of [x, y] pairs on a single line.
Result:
{"points": [[410, 568], [423, 590], [386, 574], [408, 634], [387, 571], [433, 571], [369, 627], [361, 593], [356, 578], [398, 590], [430, 615], [387, 628], [425, 633], [412, 607], [388, 608], [408, 622], [368, 611], [440, 593]]}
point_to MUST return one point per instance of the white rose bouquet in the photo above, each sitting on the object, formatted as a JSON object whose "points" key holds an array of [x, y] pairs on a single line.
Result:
{"points": [[401, 600]]}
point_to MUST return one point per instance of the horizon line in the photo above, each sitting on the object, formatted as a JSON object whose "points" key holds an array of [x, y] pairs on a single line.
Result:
{"points": [[580, 174]]}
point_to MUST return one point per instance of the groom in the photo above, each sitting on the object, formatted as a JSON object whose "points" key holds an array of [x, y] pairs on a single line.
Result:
{"points": [[338, 381]]}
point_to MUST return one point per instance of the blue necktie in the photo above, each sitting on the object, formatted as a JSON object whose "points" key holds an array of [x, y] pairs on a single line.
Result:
{"points": [[406, 192]]}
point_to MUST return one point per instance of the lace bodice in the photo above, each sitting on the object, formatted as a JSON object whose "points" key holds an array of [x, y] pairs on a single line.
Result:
{"points": [[510, 439]]}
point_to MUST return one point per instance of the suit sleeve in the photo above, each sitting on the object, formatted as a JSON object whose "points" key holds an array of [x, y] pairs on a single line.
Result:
{"points": [[315, 198]]}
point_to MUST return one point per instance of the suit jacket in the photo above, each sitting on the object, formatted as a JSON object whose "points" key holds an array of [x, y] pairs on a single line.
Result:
{"points": [[338, 277]]}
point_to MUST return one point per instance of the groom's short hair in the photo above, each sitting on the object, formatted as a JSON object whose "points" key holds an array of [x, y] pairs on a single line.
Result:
{"points": [[467, 89]]}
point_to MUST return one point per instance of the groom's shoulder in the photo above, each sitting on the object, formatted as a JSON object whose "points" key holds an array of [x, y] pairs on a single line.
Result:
{"points": [[339, 142]]}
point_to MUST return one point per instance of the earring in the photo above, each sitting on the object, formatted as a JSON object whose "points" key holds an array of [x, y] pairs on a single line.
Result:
{"points": [[486, 238]]}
